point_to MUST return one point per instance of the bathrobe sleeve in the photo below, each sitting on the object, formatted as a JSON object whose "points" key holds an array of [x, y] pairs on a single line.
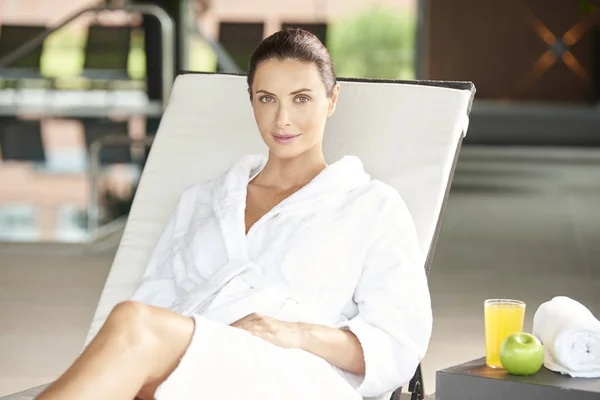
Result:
{"points": [[157, 287], [394, 319]]}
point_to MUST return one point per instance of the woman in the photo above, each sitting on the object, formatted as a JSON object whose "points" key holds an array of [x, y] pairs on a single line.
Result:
{"points": [[284, 278]]}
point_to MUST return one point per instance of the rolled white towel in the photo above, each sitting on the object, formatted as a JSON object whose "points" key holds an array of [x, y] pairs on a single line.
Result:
{"points": [[571, 337]]}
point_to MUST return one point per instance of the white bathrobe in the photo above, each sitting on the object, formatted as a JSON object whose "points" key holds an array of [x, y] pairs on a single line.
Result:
{"points": [[341, 252]]}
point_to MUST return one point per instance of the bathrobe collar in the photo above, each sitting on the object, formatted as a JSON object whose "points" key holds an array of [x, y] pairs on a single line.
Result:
{"points": [[229, 196]]}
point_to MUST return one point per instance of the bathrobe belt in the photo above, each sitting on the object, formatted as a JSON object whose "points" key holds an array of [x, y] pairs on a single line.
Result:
{"points": [[253, 276]]}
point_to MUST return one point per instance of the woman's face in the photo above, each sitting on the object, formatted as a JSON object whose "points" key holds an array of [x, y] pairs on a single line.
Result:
{"points": [[291, 106]]}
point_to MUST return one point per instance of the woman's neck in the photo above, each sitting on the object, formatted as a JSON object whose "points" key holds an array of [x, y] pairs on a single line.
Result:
{"points": [[287, 173]]}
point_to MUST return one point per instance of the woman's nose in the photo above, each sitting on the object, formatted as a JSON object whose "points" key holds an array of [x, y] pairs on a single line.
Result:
{"points": [[282, 119]]}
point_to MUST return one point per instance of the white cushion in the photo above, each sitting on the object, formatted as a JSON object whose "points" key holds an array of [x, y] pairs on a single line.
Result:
{"points": [[406, 134]]}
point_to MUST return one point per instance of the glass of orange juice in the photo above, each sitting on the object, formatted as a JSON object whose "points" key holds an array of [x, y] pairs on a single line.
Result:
{"points": [[503, 317]]}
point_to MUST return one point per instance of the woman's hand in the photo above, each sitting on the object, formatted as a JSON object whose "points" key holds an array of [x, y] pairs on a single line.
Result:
{"points": [[339, 347], [280, 333]]}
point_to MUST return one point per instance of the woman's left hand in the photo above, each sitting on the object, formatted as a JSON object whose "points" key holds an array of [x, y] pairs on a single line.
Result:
{"points": [[280, 333], [339, 347]]}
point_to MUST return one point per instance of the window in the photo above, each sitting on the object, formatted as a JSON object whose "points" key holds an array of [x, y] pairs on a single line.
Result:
{"points": [[71, 224], [18, 222]]}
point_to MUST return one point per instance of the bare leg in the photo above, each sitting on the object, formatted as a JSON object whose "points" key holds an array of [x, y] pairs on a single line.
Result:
{"points": [[138, 347]]}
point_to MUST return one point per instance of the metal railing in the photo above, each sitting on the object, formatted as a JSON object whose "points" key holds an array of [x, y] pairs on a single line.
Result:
{"points": [[223, 58], [168, 75], [94, 171], [167, 32]]}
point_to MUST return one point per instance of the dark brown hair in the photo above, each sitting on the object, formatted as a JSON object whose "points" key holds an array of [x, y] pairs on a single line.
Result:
{"points": [[296, 44]]}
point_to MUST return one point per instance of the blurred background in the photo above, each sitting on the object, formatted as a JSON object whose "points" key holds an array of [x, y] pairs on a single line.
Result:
{"points": [[81, 96]]}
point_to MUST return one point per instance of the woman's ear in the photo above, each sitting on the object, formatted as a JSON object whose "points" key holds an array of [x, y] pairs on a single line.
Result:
{"points": [[334, 98], [250, 93]]}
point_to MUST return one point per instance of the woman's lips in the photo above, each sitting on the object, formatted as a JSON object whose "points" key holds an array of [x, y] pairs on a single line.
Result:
{"points": [[284, 138]]}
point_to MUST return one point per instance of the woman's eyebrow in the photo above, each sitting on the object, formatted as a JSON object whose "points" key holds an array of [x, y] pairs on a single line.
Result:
{"points": [[293, 93], [264, 91], [300, 91]]}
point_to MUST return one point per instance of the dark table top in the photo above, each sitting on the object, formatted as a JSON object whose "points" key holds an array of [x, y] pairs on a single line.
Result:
{"points": [[544, 377]]}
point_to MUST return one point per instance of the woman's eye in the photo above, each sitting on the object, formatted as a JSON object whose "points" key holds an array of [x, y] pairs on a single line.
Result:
{"points": [[302, 99], [267, 99]]}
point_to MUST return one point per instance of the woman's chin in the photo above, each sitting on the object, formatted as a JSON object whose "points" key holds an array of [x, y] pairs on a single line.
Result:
{"points": [[285, 151]]}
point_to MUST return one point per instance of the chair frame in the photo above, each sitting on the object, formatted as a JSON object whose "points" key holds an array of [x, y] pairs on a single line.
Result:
{"points": [[416, 385]]}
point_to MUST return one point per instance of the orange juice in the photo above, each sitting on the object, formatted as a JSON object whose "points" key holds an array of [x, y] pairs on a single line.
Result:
{"points": [[502, 319]]}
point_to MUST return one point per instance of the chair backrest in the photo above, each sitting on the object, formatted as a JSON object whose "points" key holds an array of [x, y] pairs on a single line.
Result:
{"points": [[21, 140], [107, 52], [406, 133], [240, 40], [11, 38]]}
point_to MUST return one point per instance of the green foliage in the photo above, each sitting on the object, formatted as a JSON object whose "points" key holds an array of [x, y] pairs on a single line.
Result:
{"points": [[587, 7], [377, 43], [63, 54]]}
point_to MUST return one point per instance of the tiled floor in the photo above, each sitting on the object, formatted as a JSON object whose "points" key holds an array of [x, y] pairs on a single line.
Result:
{"points": [[520, 223], [47, 300]]}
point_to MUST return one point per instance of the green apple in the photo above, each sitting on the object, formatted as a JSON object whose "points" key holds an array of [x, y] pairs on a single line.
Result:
{"points": [[522, 354]]}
